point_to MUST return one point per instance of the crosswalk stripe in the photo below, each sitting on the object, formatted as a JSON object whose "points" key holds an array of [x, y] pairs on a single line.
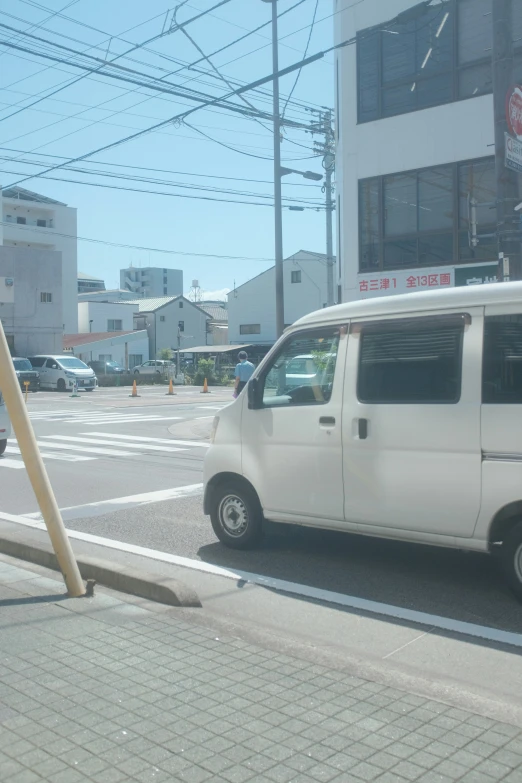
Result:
{"points": [[123, 421], [5, 462], [87, 450], [152, 440], [63, 457], [111, 443]]}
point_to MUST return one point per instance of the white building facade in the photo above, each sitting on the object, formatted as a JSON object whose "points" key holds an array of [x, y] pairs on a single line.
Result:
{"points": [[106, 317], [30, 220], [171, 322], [251, 306], [415, 144], [152, 281]]}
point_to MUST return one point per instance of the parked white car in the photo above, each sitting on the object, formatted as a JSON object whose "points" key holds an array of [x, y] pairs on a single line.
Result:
{"points": [[5, 425], [63, 372], [154, 367], [411, 429]]}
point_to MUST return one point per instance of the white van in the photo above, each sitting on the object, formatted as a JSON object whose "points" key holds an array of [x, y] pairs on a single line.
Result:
{"points": [[412, 431], [62, 372], [5, 425]]}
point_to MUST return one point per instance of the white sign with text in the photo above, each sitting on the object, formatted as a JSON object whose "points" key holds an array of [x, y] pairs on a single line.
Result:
{"points": [[403, 281]]}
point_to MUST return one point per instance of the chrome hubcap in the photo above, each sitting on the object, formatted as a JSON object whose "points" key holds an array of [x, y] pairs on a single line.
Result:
{"points": [[518, 563], [233, 515]]}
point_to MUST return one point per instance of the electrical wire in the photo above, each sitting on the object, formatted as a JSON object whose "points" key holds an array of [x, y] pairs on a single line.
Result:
{"points": [[38, 25], [303, 57]]}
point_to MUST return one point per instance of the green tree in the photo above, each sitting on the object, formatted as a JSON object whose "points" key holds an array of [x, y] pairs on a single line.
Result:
{"points": [[166, 354]]}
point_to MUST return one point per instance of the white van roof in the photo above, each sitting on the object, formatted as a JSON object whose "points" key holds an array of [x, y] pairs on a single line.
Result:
{"points": [[401, 304]]}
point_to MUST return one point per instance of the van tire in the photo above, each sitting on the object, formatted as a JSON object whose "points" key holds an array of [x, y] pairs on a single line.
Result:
{"points": [[3, 445], [61, 385], [511, 557], [236, 515]]}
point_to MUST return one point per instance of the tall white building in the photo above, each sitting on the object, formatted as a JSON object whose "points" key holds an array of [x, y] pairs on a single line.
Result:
{"points": [[152, 281], [415, 144], [35, 221]]}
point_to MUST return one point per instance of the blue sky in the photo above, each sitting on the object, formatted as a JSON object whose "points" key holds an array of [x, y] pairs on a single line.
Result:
{"points": [[97, 111]]}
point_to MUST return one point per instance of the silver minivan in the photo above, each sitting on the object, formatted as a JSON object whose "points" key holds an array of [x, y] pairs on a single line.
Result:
{"points": [[63, 372], [411, 427]]}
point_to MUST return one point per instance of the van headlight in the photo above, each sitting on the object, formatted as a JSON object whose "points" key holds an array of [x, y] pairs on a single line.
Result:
{"points": [[70, 374], [213, 432]]}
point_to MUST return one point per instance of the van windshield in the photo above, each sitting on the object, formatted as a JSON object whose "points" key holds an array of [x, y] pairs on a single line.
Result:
{"points": [[73, 363]]}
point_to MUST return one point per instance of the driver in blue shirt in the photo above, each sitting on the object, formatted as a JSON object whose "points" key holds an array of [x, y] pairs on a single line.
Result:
{"points": [[244, 371]]}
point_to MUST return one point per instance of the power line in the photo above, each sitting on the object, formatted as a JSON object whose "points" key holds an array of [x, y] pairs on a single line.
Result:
{"points": [[304, 57], [35, 26]]}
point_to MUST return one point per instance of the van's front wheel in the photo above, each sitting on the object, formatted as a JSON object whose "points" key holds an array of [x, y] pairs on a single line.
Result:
{"points": [[511, 554], [3, 445], [236, 515]]}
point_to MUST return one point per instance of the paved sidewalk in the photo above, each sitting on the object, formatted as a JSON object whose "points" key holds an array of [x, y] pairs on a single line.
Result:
{"points": [[105, 690]]}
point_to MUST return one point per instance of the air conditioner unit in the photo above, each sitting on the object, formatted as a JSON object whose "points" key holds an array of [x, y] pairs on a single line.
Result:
{"points": [[9, 281]]}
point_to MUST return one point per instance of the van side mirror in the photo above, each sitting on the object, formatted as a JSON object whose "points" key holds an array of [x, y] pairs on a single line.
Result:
{"points": [[253, 392]]}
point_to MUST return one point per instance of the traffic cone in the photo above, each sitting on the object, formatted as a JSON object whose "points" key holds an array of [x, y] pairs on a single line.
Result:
{"points": [[171, 391], [134, 390], [205, 387]]}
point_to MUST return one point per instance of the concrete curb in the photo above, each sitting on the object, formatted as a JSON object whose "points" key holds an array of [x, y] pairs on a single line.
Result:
{"points": [[136, 582]]}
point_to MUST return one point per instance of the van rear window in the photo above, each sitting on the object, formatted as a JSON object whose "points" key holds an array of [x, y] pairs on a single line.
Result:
{"points": [[502, 365], [415, 361]]}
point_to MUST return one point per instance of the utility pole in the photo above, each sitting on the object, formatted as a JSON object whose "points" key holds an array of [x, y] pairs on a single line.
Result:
{"points": [[506, 179], [278, 207], [327, 150]]}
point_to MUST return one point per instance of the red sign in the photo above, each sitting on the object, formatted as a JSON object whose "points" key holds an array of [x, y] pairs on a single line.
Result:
{"points": [[514, 111]]}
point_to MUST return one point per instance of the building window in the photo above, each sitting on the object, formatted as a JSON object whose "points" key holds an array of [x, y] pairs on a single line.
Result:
{"points": [[444, 55], [46, 298], [181, 304], [295, 277], [21, 220], [181, 326], [162, 318], [105, 357], [412, 361], [41, 223], [114, 325], [135, 359], [250, 329], [164, 290], [422, 218], [502, 366]]}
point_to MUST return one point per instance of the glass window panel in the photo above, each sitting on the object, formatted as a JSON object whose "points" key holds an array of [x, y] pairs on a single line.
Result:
{"points": [[399, 99], [475, 31], [434, 91], [411, 363], [400, 253], [477, 180], [369, 224], [303, 371], [486, 250], [400, 204], [436, 249], [435, 40], [436, 198], [368, 76], [475, 80], [517, 23], [502, 367], [398, 53]]}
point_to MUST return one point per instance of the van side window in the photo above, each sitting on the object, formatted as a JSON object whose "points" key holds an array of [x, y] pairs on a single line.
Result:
{"points": [[302, 373], [502, 364], [412, 361], [37, 361]]}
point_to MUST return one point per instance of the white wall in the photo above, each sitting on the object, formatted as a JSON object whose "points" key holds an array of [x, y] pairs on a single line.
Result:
{"points": [[64, 224], [254, 301], [101, 312], [137, 343], [450, 133]]}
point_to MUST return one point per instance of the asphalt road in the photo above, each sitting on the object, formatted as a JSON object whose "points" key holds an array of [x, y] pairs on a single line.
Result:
{"points": [[462, 586]]}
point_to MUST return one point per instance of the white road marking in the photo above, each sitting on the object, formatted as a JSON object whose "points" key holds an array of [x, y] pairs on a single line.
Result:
{"points": [[102, 507], [124, 420], [210, 407], [111, 443], [63, 457], [85, 449], [293, 588], [5, 462], [154, 440]]}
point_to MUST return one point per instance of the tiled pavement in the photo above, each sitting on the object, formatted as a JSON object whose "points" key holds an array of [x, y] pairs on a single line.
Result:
{"points": [[104, 690]]}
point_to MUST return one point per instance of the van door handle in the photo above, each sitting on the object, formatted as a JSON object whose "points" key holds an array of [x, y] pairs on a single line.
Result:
{"points": [[327, 421], [363, 429]]}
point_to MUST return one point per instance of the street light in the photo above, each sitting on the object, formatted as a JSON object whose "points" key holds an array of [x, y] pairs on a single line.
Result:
{"points": [[278, 207], [306, 174]]}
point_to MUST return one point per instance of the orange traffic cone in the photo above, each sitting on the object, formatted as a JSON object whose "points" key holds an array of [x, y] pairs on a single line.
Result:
{"points": [[134, 390], [171, 388], [205, 387]]}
